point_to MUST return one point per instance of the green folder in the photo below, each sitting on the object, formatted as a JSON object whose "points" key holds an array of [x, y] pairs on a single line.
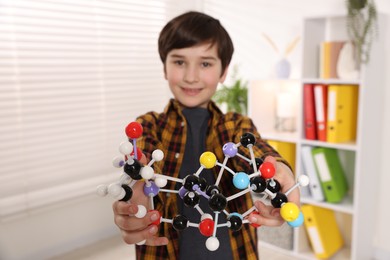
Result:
{"points": [[331, 173]]}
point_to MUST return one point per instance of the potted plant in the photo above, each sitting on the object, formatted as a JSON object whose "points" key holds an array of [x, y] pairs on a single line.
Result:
{"points": [[362, 27], [234, 96]]}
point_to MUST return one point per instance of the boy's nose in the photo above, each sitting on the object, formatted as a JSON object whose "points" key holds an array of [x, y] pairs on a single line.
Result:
{"points": [[191, 75]]}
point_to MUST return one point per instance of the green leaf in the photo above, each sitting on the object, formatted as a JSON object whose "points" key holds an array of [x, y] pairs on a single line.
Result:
{"points": [[235, 95]]}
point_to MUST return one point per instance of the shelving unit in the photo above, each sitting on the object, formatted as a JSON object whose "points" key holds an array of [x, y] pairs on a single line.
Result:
{"points": [[356, 213]]}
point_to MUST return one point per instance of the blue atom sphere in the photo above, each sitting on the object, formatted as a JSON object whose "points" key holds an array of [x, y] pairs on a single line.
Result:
{"points": [[235, 214], [241, 180], [298, 222]]}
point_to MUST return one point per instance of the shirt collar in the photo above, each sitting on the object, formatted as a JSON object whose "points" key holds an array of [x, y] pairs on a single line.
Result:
{"points": [[176, 107]]}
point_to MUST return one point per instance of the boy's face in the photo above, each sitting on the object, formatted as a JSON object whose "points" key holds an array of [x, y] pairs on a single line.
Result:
{"points": [[193, 74]]}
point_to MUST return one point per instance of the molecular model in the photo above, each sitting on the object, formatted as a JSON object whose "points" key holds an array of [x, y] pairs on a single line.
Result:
{"points": [[193, 186]]}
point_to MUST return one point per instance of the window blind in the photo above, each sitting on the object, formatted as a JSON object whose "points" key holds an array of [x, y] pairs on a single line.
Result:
{"points": [[73, 74]]}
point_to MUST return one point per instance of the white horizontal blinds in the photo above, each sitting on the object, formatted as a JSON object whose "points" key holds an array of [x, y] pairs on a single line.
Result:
{"points": [[73, 73]]}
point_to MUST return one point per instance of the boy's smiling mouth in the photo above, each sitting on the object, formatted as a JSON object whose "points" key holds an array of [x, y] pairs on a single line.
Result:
{"points": [[191, 91]]}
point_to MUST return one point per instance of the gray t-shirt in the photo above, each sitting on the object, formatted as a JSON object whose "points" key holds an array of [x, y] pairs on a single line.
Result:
{"points": [[192, 244]]}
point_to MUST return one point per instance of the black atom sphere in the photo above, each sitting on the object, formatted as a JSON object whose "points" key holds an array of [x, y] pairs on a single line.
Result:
{"points": [[133, 170], [279, 200], [202, 184], [258, 184], [180, 222], [129, 193], [259, 162], [235, 223], [247, 139], [190, 181], [191, 199], [273, 186], [217, 202], [212, 189]]}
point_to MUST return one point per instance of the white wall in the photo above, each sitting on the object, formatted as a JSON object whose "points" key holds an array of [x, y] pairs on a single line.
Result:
{"points": [[246, 20], [76, 223], [45, 232]]}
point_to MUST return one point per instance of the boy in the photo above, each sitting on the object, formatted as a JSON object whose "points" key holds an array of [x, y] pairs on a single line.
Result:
{"points": [[196, 51]]}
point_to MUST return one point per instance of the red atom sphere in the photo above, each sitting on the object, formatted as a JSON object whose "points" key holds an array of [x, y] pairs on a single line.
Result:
{"points": [[134, 130], [267, 170], [158, 221], [139, 153], [254, 224], [206, 227]]}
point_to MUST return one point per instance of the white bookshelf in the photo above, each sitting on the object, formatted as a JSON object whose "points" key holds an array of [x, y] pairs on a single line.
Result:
{"points": [[356, 213]]}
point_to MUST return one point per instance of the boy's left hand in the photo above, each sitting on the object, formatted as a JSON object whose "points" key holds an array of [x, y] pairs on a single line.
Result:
{"points": [[270, 216]]}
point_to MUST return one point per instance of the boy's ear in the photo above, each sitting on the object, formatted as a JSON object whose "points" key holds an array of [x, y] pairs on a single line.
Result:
{"points": [[223, 77]]}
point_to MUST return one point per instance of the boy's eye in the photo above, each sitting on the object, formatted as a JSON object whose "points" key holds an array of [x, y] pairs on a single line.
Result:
{"points": [[179, 62], [206, 64]]}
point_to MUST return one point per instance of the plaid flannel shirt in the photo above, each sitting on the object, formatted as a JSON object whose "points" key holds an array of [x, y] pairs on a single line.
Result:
{"points": [[168, 131]]}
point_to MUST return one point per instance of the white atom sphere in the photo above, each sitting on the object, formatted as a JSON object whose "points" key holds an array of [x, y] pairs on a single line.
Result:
{"points": [[141, 211], [147, 172], [303, 180], [161, 182], [121, 195], [212, 243], [158, 155], [206, 216], [118, 162], [125, 148], [101, 190], [114, 189]]}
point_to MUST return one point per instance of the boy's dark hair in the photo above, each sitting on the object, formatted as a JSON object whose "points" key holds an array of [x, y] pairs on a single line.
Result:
{"points": [[193, 28]]}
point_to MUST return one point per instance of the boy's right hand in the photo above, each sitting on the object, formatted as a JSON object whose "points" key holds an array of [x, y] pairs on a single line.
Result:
{"points": [[133, 229]]}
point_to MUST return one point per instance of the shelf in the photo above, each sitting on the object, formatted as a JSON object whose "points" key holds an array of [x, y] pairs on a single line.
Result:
{"points": [[345, 206], [358, 159], [330, 81], [342, 146], [343, 254], [276, 248], [290, 137]]}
